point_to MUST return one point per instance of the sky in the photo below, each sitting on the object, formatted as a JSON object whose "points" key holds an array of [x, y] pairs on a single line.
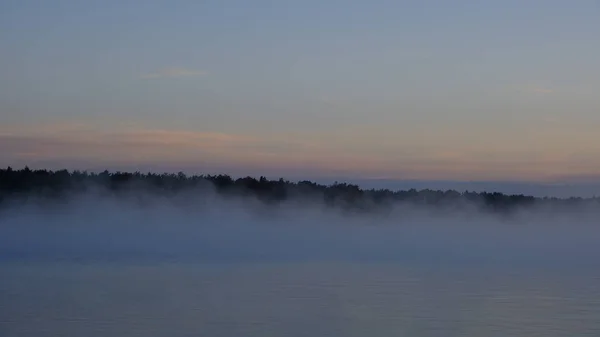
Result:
{"points": [[426, 90]]}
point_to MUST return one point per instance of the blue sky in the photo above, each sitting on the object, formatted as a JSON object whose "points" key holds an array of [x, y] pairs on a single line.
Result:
{"points": [[462, 90]]}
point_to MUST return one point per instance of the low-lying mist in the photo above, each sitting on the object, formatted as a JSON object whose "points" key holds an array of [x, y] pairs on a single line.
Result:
{"points": [[203, 226]]}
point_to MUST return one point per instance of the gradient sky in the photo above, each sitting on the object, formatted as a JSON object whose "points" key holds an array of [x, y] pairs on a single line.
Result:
{"points": [[459, 90]]}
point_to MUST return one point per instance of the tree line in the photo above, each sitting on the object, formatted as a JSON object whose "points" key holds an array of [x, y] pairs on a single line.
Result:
{"points": [[23, 184]]}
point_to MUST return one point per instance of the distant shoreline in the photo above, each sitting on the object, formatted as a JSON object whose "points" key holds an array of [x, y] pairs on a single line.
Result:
{"points": [[24, 184]]}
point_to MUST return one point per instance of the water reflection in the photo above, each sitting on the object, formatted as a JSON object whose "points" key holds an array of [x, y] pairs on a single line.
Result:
{"points": [[295, 299]]}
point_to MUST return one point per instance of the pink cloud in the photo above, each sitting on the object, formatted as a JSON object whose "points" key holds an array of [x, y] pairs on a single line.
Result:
{"points": [[337, 154], [173, 72]]}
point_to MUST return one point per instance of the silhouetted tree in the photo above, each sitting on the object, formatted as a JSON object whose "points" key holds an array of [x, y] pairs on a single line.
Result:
{"points": [[54, 185]]}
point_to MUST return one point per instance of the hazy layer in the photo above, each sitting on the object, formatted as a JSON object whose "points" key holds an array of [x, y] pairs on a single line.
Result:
{"points": [[207, 228]]}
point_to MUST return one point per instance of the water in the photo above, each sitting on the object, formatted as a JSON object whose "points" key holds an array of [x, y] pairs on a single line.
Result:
{"points": [[121, 271], [307, 298]]}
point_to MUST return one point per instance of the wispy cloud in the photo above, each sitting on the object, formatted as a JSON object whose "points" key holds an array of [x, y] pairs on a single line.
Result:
{"points": [[63, 143], [173, 72], [541, 90], [69, 141], [537, 89]]}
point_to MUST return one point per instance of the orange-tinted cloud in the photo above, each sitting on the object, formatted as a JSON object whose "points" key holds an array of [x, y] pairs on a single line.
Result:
{"points": [[537, 89], [80, 141], [358, 153], [173, 72]]}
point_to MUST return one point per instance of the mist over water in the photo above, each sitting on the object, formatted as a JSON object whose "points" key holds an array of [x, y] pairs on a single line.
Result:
{"points": [[202, 265], [210, 229]]}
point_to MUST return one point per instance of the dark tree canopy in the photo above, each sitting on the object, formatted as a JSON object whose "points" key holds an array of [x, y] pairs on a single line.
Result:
{"points": [[45, 184]]}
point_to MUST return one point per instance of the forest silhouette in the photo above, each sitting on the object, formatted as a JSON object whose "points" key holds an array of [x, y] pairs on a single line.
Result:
{"points": [[18, 186]]}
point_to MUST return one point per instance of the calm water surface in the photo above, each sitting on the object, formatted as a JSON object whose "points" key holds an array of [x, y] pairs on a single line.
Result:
{"points": [[295, 299]]}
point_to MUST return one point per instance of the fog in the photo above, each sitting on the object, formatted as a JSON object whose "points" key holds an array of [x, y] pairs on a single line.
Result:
{"points": [[204, 227], [98, 264]]}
